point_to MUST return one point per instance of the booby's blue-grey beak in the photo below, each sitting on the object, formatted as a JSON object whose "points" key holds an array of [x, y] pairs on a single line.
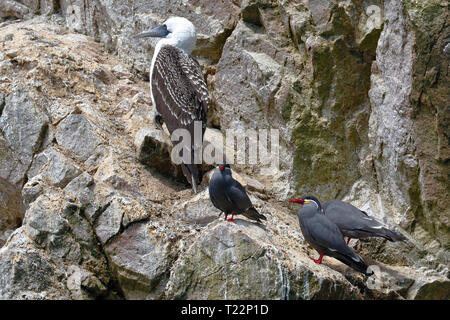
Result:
{"points": [[158, 32]]}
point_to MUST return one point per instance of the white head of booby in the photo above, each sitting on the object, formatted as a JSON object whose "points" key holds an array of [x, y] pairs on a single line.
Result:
{"points": [[176, 31]]}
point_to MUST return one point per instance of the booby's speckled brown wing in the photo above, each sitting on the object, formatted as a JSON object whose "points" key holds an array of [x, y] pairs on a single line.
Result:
{"points": [[179, 89]]}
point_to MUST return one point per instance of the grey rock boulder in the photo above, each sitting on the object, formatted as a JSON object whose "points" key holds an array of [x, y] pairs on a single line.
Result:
{"points": [[11, 168], [76, 135], [12, 209], [141, 259], [23, 125], [153, 148], [25, 272], [110, 221], [54, 166], [198, 210], [239, 261], [13, 9]]}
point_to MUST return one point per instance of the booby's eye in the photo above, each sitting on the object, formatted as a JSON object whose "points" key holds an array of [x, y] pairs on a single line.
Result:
{"points": [[164, 27]]}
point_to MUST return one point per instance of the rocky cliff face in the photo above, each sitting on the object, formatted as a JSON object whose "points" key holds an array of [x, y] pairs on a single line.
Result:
{"points": [[90, 209]]}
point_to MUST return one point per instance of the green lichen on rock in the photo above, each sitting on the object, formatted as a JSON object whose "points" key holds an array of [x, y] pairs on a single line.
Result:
{"points": [[429, 20], [323, 70], [318, 162], [438, 290], [339, 24], [370, 41], [330, 125]]}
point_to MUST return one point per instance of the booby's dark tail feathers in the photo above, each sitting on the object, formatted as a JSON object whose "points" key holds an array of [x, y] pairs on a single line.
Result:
{"points": [[190, 171], [253, 214]]}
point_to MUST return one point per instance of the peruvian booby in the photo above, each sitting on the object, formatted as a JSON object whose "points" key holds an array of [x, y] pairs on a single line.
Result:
{"points": [[355, 223], [178, 90], [229, 196], [324, 235]]}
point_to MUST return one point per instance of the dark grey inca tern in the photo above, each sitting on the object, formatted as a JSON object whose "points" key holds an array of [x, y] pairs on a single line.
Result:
{"points": [[355, 223], [324, 235], [229, 196]]}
